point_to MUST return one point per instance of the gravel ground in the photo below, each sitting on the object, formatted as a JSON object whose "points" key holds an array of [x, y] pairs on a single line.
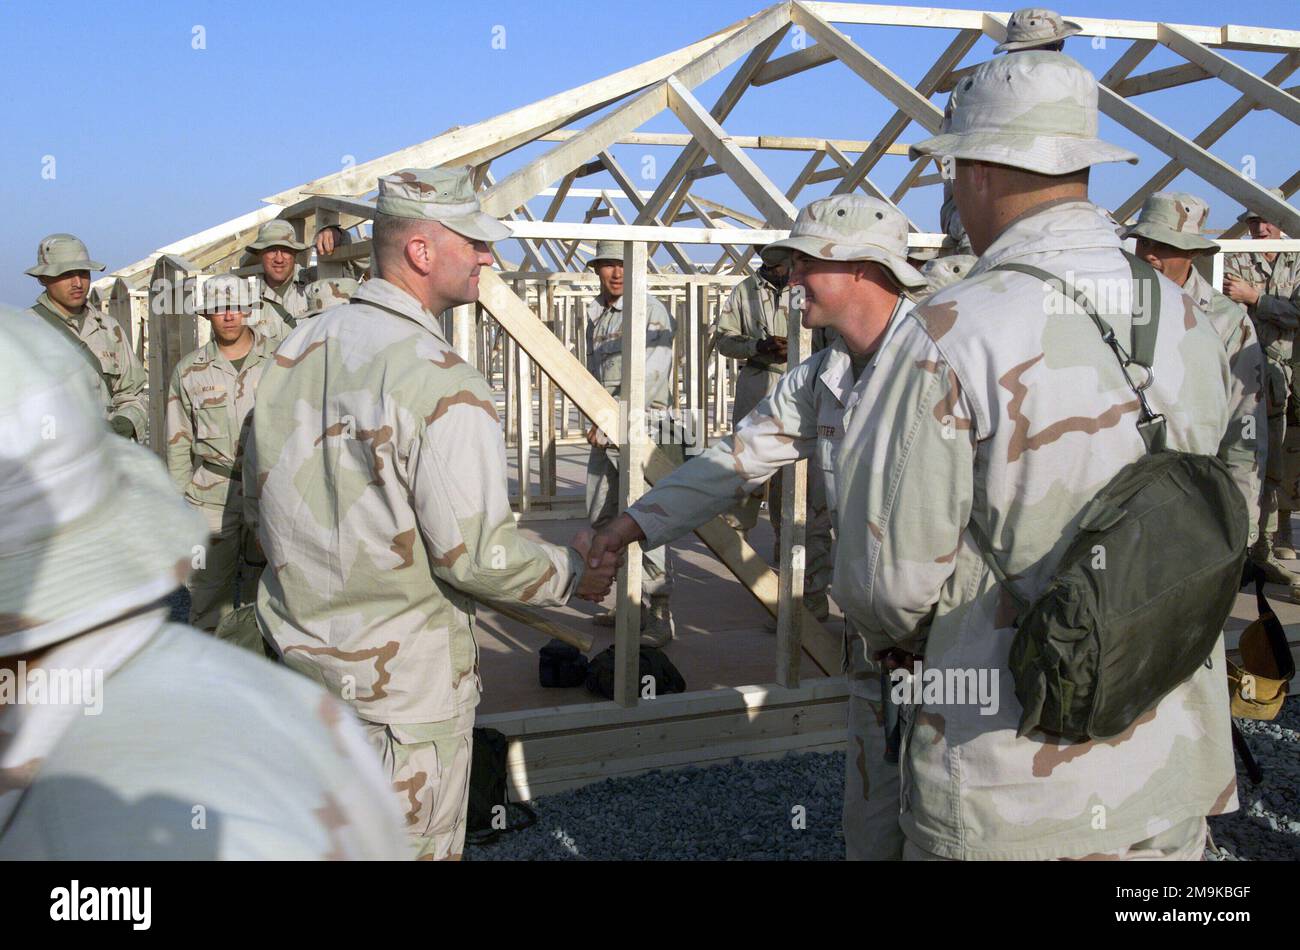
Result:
{"points": [[743, 811]]}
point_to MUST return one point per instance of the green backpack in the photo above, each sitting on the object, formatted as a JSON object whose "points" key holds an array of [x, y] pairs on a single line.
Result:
{"points": [[1112, 635]]}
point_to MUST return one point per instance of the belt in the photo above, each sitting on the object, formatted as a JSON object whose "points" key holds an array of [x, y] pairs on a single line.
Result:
{"points": [[216, 468]]}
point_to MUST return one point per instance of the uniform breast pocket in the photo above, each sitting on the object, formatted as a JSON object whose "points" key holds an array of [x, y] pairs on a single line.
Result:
{"points": [[211, 415], [111, 365]]}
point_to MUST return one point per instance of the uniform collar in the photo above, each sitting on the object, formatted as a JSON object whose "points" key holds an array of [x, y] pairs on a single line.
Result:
{"points": [[1199, 289], [380, 293], [211, 353], [837, 370], [76, 322], [1062, 225], [602, 307]]}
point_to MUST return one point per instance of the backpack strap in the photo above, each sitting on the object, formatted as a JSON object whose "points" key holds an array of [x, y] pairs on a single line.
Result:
{"points": [[1143, 328]]}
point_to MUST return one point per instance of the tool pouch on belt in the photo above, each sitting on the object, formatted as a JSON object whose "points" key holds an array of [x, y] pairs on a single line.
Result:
{"points": [[1116, 631], [1259, 686]]}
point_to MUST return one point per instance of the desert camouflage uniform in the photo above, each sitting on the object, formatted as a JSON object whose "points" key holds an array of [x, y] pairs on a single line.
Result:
{"points": [[1245, 444], [121, 379], [984, 407], [209, 413], [1277, 319], [605, 362], [281, 307], [804, 417], [377, 480]]}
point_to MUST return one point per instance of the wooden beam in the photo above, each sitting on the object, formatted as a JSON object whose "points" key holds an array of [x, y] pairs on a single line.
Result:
{"points": [[777, 143], [1208, 136], [1159, 79], [883, 79], [868, 185], [1232, 37], [634, 195], [693, 153], [590, 397], [708, 222], [1196, 159], [794, 517], [801, 180], [506, 131], [633, 450], [910, 178], [747, 176], [792, 64], [1129, 61], [1238, 228], [1216, 64], [893, 128]]}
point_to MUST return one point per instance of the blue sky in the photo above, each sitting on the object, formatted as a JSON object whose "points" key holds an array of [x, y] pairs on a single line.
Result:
{"points": [[152, 139]]}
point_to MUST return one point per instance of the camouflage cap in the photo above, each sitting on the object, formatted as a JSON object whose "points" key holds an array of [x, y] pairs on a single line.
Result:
{"points": [[277, 233], [945, 271], [1174, 218], [445, 195], [607, 251], [850, 228], [1242, 218], [91, 526], [1035, 110], [328, 292], [1035, 26], [225, 292], [60, 253]]}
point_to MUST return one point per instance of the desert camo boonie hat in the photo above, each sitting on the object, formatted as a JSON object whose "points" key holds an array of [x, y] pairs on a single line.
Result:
{"points": [[91, 526], [1035, 26], [277, 233], [607, 251], [1174, 218], [850, 228], [445, 195], [59, 254], [945, 271], [329, 292], [225, 292], [1246, 215], [1035, 110]]}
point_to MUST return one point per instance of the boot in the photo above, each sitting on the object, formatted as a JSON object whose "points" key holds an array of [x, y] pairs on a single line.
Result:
{"points": [[1283, 546], [1261, 554], [659, 630], [606, 618]]}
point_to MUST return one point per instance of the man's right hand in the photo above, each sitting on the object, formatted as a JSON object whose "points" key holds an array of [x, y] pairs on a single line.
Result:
{"points": [[600, 571], [775, 348]]}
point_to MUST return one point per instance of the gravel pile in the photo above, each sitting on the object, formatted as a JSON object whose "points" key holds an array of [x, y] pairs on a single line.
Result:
{"points": [[743, 811]]}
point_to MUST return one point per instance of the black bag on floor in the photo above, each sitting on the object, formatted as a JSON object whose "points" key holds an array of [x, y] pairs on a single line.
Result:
{"points": [[654, 663], [491, 813], [561, 665]]}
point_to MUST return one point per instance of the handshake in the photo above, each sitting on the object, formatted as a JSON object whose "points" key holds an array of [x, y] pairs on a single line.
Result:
{"points": [[602, 553]]}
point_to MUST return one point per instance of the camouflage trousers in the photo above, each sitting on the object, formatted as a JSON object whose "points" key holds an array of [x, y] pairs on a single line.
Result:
{"points": [[1282, 468], [212, 585], [1185, 841], [871, 790], [428, 764], [602, 508]]}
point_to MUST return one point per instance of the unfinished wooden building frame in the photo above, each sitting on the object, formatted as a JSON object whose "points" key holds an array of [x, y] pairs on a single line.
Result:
{"points": [[537, 303]]}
